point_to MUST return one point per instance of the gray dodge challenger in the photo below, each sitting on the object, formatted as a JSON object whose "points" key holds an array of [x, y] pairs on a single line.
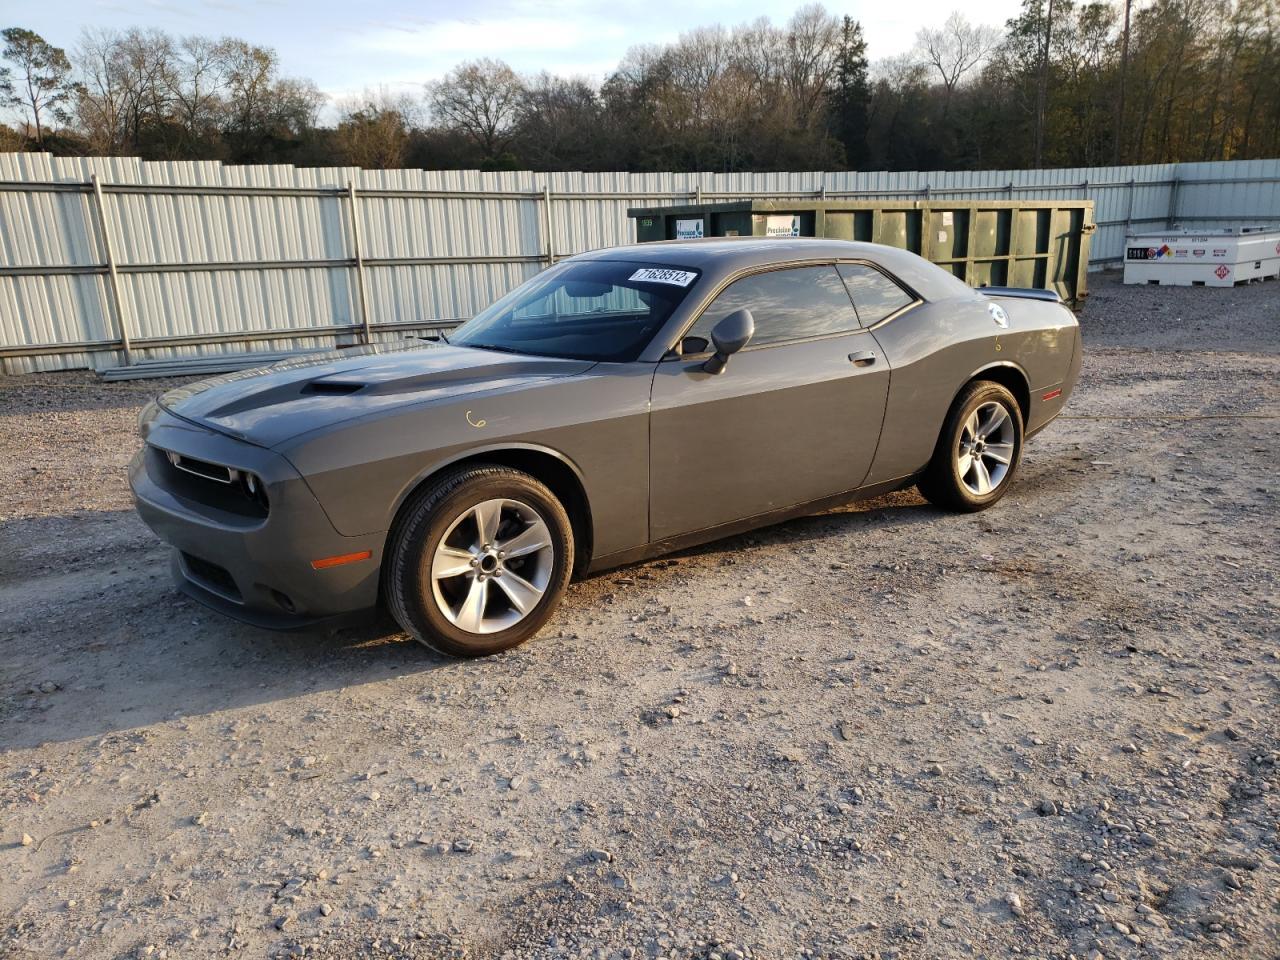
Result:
{"points": [[619, 405]]}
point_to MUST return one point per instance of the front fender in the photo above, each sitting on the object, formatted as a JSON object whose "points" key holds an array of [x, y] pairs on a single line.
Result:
{"points": [[475, 453], [595, 423]]}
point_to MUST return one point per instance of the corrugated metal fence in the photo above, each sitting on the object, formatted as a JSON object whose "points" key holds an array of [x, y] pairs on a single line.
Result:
{"points": [[108, 260]]}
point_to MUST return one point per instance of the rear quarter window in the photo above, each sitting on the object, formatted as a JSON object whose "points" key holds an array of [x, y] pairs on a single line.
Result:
{"points": [[874, 295]]}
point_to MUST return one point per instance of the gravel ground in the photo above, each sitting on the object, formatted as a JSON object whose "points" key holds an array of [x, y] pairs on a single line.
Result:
{"points": [[1048, 730], [1243, 318]]}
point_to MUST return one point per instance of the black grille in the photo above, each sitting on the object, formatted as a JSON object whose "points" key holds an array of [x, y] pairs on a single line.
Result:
{"points": [[211, 577], [205, 483]]}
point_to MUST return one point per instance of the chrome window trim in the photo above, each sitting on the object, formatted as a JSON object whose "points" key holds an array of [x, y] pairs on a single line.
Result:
{"points": [[787, 343], [895, 315], [916, 299]]}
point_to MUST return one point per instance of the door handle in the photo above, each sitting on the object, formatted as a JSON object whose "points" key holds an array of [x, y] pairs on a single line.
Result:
{"points": [[864, 358]]}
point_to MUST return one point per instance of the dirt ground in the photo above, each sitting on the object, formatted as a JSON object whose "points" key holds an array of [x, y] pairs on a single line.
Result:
{"points": [[1048, 730]]}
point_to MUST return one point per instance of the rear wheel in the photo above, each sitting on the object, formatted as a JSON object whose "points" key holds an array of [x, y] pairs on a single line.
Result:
{"points": [[978, 452], [479, 561]]}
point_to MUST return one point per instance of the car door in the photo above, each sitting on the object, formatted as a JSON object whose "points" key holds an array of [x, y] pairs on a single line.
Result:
{"points": [[794, 417]]}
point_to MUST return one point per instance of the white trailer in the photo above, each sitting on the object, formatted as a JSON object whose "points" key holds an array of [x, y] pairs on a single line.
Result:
{"points": [[1216, 258]]}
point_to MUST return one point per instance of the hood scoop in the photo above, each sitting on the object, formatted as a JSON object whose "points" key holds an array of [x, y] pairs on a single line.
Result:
{"points": [[332, 388]]}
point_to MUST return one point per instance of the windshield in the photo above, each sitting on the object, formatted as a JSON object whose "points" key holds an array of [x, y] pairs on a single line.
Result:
{"points": [[583, 310]]}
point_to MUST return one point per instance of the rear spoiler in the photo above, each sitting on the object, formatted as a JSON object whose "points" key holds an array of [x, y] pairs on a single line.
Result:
{"points": [[1024, 293]]}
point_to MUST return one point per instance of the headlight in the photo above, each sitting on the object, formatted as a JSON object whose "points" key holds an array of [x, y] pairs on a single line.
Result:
{"points": [[253, 488]]}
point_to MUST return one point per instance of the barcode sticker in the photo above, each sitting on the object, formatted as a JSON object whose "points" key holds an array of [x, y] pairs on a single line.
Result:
{"points": [[677, 278]]}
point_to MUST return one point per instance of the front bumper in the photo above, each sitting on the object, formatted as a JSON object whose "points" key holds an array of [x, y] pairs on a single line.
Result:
{"points": [[254, 567]]}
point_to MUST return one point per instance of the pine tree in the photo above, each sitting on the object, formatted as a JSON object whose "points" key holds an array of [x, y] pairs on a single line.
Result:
{"points": [[852, 94]]}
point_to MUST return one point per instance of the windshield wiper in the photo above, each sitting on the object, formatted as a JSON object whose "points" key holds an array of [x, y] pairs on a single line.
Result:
{"points": [[496, 349], [437, 337]]}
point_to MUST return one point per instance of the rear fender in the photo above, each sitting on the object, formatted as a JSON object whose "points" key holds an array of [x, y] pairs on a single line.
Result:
{"points": [[1010, 375]]}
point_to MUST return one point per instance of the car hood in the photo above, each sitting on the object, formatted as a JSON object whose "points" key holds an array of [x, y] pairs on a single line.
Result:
{"points": [[269, 405]]}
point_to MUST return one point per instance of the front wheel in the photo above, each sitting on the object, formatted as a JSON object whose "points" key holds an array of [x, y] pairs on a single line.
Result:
{"points": [[479, 561], [978, 451]]}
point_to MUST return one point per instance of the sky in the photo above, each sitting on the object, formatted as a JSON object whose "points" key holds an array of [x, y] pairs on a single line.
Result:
{"points": [[347, 46]]}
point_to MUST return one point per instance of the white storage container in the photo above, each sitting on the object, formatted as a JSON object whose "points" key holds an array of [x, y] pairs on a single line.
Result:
{"points": [[1216, 258]]}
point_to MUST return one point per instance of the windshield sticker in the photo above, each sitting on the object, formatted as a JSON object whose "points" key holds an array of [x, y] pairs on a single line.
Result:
{"points": [[677, 278]]}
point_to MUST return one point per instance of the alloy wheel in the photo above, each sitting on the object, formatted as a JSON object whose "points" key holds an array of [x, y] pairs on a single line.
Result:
{"points": [[492, 566], [986, 448]]}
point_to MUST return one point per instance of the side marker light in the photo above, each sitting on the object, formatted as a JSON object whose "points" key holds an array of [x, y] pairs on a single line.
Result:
{"points": [[338, 561]]}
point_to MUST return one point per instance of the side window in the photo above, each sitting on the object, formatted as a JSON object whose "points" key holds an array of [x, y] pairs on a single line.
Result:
{"points": [[786, 304], [874, 294]]}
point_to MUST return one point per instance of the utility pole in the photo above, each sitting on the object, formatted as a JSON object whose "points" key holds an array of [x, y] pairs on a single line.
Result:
{"points": [[1042, 95], [1118, 145]]}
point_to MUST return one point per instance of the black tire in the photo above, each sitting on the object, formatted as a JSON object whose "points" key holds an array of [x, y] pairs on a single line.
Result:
{"points": [[942, 484], [424, 522]]}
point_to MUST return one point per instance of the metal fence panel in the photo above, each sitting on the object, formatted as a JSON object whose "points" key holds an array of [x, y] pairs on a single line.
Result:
{"points": [[211, 259]]}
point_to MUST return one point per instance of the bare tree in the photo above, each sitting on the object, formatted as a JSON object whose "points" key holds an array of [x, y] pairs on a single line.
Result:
{"points": [[250, 76], [760, 51], [100, 91], [698, 62], [293, 106], [38, 83], [145, 63], [561, 124], [196, 85], [900, 72], [482, 99], [131, 91], [813, 48], [955, 50], [261, 107], [373, 130]]}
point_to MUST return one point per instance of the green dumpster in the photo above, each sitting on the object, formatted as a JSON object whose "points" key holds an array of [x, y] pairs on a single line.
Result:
{"points": [[987, 243]]}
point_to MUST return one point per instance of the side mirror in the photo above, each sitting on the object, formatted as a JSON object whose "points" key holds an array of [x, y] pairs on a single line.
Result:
{"points": [[692, 346], [729, 336]]}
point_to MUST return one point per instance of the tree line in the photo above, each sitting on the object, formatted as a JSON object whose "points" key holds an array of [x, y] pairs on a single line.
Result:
{"points": [[1064, 83]]}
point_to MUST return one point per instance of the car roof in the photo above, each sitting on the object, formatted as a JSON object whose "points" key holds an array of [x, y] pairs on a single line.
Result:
{"points": [[725, 255]]}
